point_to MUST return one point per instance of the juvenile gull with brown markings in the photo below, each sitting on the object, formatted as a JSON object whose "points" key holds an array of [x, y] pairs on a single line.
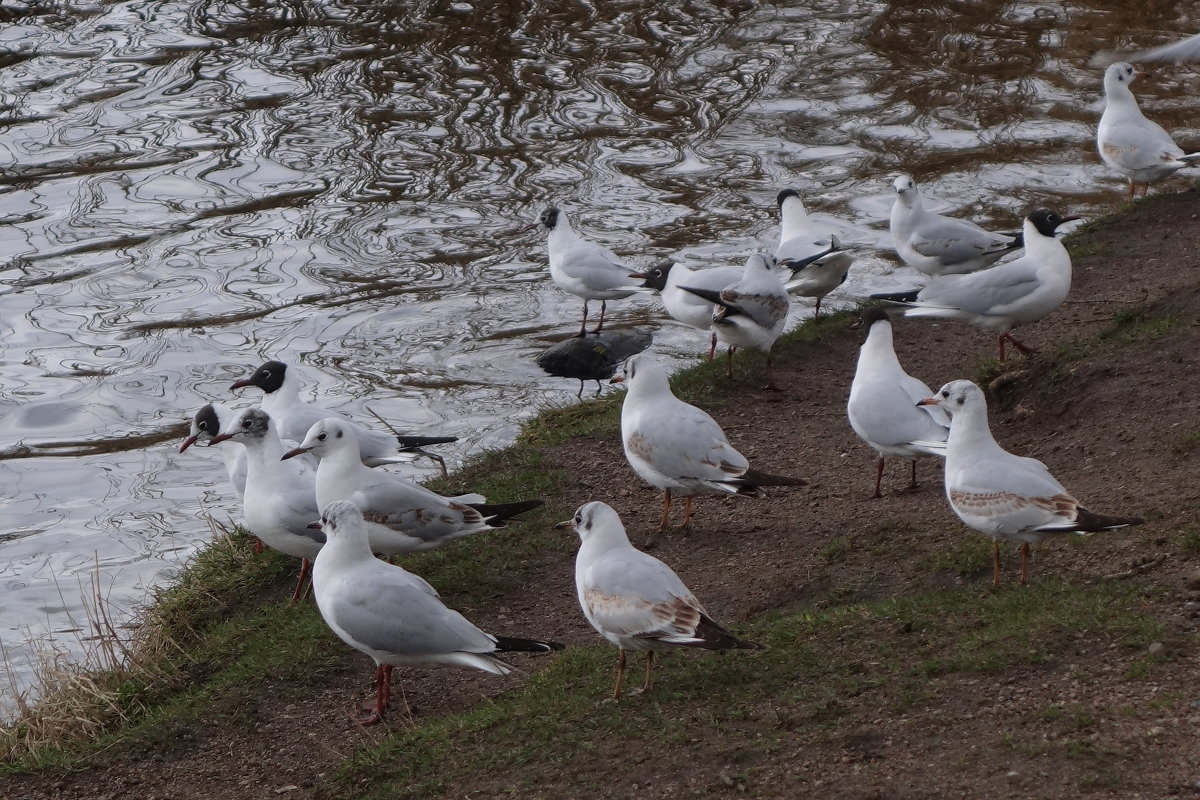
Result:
{"points": [[634, 600], [1001, 495]]}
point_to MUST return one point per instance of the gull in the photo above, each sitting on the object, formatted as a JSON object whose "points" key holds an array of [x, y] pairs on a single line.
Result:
{"points": [[206, 424], [634, 600], [881, 406], [391, 614], [401, 516], [683, 305], [1020, 291], [677, 447], [281, 399], [1128, 142], [817, 266], [1001, 495], [937, 245], [750, 313], [280, 499], [1184, 50], [583, 268]]}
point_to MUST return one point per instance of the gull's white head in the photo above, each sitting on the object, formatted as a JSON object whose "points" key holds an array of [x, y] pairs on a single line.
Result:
{"points": [[642, 371], [759, 261], [1119, 76], [903, 184], [326, 436], [956, 396], [342, 519], [593, 519]]}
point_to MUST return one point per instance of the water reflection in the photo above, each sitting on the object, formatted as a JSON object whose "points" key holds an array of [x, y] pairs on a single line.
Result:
{"points": [[193, 187]]}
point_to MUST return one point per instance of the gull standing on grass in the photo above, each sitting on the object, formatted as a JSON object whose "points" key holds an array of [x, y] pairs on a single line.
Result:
{"points": [[938, 245], [391, 614], [402, 517], [1001, 495], [677, 447], [281, 497], [817, 265], [881, 406], [750, 313], [207, 423], [1128, 142], [682, 305], [634, 600], [583, 268], [293, 417], [1009, 294]]}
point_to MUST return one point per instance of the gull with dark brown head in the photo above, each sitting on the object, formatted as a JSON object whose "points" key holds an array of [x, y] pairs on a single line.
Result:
{"points": [[634, 600], [1001, 495]]}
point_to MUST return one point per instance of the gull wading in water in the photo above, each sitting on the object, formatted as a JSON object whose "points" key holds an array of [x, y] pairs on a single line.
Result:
{"points": [[1128, 142], [293, 417], [812, 255], [1001, 495], [750, 313], [677, 447], [882, 408], [391, 614], [401, 517], [1010, 294], [685, 306], [583, 268], [938, 245], [634, 600]]}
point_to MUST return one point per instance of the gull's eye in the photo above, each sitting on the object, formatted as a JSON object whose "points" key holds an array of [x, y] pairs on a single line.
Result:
{"points": [[945, 393], [266, 373], [579, 519], [246, 423], [322, 437], [202, 426]]}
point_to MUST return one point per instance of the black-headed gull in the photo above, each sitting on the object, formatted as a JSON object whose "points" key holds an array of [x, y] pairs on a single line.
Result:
{"points": [[882, 401], [677, 447], [1001, 495], [810, 251], [684, 306], [634, 600], [401, 516], [1007, 295], [280, 499], [750, 313], [584, 268], [938, 245], [208, 423], [391, 614], [1128, 142], [280, 384]]}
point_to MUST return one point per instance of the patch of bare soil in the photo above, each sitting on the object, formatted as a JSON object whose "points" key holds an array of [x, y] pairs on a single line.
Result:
{"points": [[1114, 414]]}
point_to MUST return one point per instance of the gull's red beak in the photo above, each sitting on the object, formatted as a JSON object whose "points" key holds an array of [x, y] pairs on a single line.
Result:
{"points": [[299, 451], [929, 401], [221, 437], [188, 442]]}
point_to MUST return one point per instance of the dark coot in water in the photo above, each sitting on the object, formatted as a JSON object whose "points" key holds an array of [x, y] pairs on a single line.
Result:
{"points": [[594, 357]]}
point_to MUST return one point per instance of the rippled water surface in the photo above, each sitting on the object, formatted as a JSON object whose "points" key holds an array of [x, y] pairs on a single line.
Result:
{"points": [[190, 188]]}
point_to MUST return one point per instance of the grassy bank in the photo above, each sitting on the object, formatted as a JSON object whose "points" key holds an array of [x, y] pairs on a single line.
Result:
{"points": [[892, 664]]}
